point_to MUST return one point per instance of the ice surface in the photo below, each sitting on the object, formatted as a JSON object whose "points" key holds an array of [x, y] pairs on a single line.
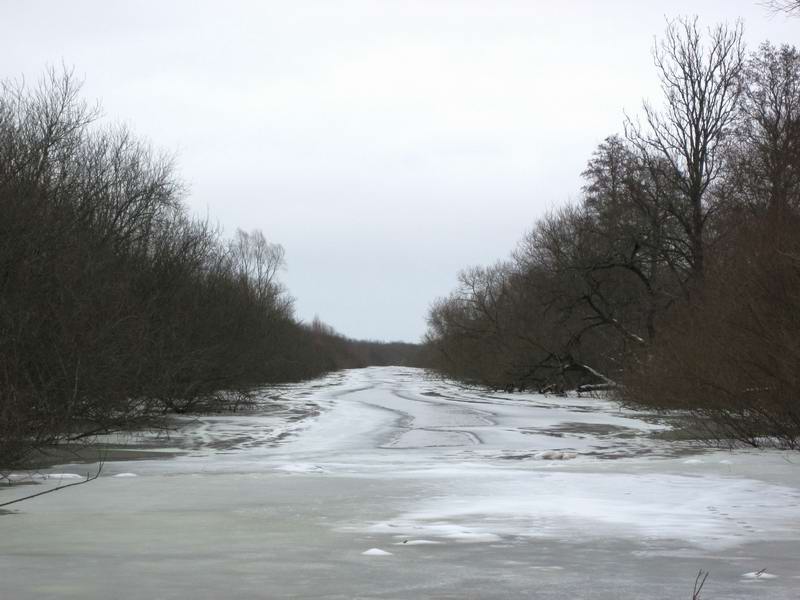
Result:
{"points": [[712, 513], [479, 495]]}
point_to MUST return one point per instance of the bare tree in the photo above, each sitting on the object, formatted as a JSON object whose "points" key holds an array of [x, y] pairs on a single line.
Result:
{"points": [[700, 81], [789, 7], [766, 173], [257, 261]]}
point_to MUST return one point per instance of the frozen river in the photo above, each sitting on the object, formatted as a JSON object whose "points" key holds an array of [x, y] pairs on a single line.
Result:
{"points": [[382, 483]]}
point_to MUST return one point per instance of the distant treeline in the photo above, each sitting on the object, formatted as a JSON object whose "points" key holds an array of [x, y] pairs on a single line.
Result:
{"points": [[116, 306], [335, 351], [675, 280]]}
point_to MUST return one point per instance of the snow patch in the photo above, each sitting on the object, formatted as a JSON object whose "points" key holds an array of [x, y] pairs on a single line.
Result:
{"points": [[759, 575], [301, 468], [439, 529], [483, 505], [63, 476], [376, 552], [125, 475], [416, 542]]}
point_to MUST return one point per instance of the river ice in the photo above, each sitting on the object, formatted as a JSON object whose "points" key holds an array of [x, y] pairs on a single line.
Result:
{"points": [[386, 483]]}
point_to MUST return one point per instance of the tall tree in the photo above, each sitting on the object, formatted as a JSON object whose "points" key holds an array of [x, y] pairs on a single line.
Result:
{"points": [[700, 81], [767, 153]]}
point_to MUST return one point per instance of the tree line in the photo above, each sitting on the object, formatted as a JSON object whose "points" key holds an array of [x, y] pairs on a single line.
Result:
{"points": [[116, 305], [675, 280]]}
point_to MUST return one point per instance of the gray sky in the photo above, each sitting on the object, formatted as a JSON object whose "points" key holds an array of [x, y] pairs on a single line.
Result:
{"points": [[385, 144]]}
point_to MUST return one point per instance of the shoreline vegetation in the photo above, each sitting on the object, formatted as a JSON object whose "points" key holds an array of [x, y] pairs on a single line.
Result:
{"points": [[117, 307], [674, 282]]}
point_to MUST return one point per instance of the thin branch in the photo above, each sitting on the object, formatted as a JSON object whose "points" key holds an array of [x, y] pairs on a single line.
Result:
{"points": [[89, 477], [699, 582]]}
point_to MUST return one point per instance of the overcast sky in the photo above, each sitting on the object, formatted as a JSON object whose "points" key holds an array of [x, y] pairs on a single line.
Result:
{"points": [[385, 144]]}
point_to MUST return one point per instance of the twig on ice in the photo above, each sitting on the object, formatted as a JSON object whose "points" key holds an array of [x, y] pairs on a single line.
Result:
{"points": [[89, 477]]}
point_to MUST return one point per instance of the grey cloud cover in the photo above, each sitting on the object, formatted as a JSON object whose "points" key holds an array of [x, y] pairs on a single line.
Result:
{"points": [[384, 144]]}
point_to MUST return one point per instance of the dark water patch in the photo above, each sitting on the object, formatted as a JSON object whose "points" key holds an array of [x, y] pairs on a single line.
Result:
{"points": [[619, 453], [672, 451], [144, 448], [584, 430], [348, 391], [598, 429], [16, 482], [566, 454], [541, 431], [279, 439], [230, 443]]}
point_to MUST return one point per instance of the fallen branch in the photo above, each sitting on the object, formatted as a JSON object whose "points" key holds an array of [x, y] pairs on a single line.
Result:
{"points": [[89, 477], [597, 374]]}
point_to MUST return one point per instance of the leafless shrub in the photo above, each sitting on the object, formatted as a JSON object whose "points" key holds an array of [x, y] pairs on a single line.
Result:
{"points": [[116, 306]]}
